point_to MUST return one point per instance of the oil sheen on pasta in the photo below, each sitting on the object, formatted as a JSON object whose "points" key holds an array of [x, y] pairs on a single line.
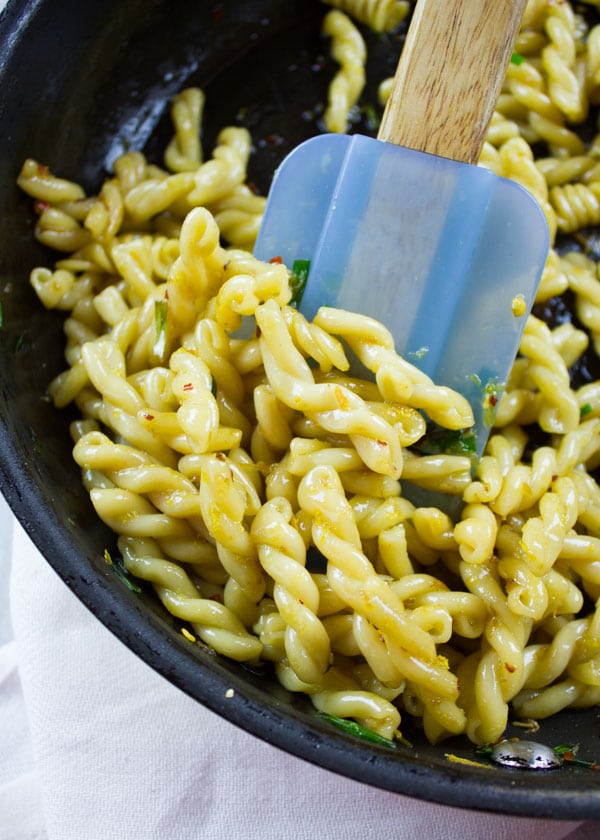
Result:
{"points": [[225, 465]]}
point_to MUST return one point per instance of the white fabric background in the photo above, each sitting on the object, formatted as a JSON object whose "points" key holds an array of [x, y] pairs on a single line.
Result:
{"points": [[97, 746]]}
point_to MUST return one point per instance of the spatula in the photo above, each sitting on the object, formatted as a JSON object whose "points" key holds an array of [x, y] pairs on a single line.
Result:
{"points": [[405, 228]]}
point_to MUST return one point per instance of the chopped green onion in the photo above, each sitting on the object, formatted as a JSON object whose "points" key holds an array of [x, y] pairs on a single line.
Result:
{"points": [[517, 58], [298, 279], [585, 409], [353, 728], [161, 309]]}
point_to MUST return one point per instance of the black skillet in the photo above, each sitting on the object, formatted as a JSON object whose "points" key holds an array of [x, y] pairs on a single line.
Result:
{"points": [[80, 82]]}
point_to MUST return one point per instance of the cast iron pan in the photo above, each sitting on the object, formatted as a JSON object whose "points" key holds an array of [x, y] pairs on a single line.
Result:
{"points": [[80, 82]]}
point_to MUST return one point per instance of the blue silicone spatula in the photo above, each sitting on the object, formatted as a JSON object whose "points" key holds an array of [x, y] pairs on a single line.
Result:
{"points": [[405, 228]]}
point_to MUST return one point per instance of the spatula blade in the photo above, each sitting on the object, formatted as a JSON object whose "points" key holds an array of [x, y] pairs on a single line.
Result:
{"points": [[437, 250]]}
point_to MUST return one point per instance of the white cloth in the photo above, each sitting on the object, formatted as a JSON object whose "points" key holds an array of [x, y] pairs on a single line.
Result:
{"points": [[103, 748]]}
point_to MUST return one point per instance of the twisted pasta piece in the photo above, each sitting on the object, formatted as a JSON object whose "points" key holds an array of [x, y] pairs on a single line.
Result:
{"points": [[226, 170], [576, 206], [398, 380], [211, 344], [156, 194], [105, 216], [184, 151], [476, 533], [133, 260], [196, 274], [379, 15], [282, 555], [215, 624], [566, 81], [348, 49], [226, 500], [341, 694], [333, 407], [351, 575], [239, 215], [559, 411], [37, 181], [244, 291], [543, 535], [315, 342], [494, 675]]}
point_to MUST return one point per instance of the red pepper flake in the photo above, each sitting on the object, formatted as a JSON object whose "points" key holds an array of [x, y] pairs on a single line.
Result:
{"points": [[276, 260], [493, 399], [382, 443], [148, 417], [253, 187], [41, 206], [510, 668], [188, 386], [216, 597], [166, 294], [42, 169]]}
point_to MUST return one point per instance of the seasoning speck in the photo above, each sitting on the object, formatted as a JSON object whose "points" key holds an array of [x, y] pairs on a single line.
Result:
{"points": [[518, 306], [187, 635], [229, 693]]}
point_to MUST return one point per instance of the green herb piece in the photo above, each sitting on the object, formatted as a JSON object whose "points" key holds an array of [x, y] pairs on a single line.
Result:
{"points": [[120, 571], [490, 395], [298, 279], [161, 310], [517, 58], [18, 343], [353, 728], [568, 753], [585, 409], [439, 441]]}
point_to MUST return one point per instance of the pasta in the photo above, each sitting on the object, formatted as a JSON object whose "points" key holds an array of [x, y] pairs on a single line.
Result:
{"points": [[260, 487], [348, 48], [379, 15]]}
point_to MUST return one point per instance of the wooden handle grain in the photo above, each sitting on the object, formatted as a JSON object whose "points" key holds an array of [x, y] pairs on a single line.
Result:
{"points": [[449, 75]]}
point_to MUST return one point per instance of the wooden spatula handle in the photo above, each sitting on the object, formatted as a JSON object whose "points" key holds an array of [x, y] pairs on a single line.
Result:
{"points": [[449, 75]]}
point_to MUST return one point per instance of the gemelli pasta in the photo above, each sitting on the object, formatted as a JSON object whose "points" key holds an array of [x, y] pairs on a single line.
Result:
{"points": [[262, 489]]}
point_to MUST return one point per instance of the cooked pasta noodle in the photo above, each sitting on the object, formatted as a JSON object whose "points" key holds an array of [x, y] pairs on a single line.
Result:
{"points": [[261, 487], [379, 15], [348, 49]]}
